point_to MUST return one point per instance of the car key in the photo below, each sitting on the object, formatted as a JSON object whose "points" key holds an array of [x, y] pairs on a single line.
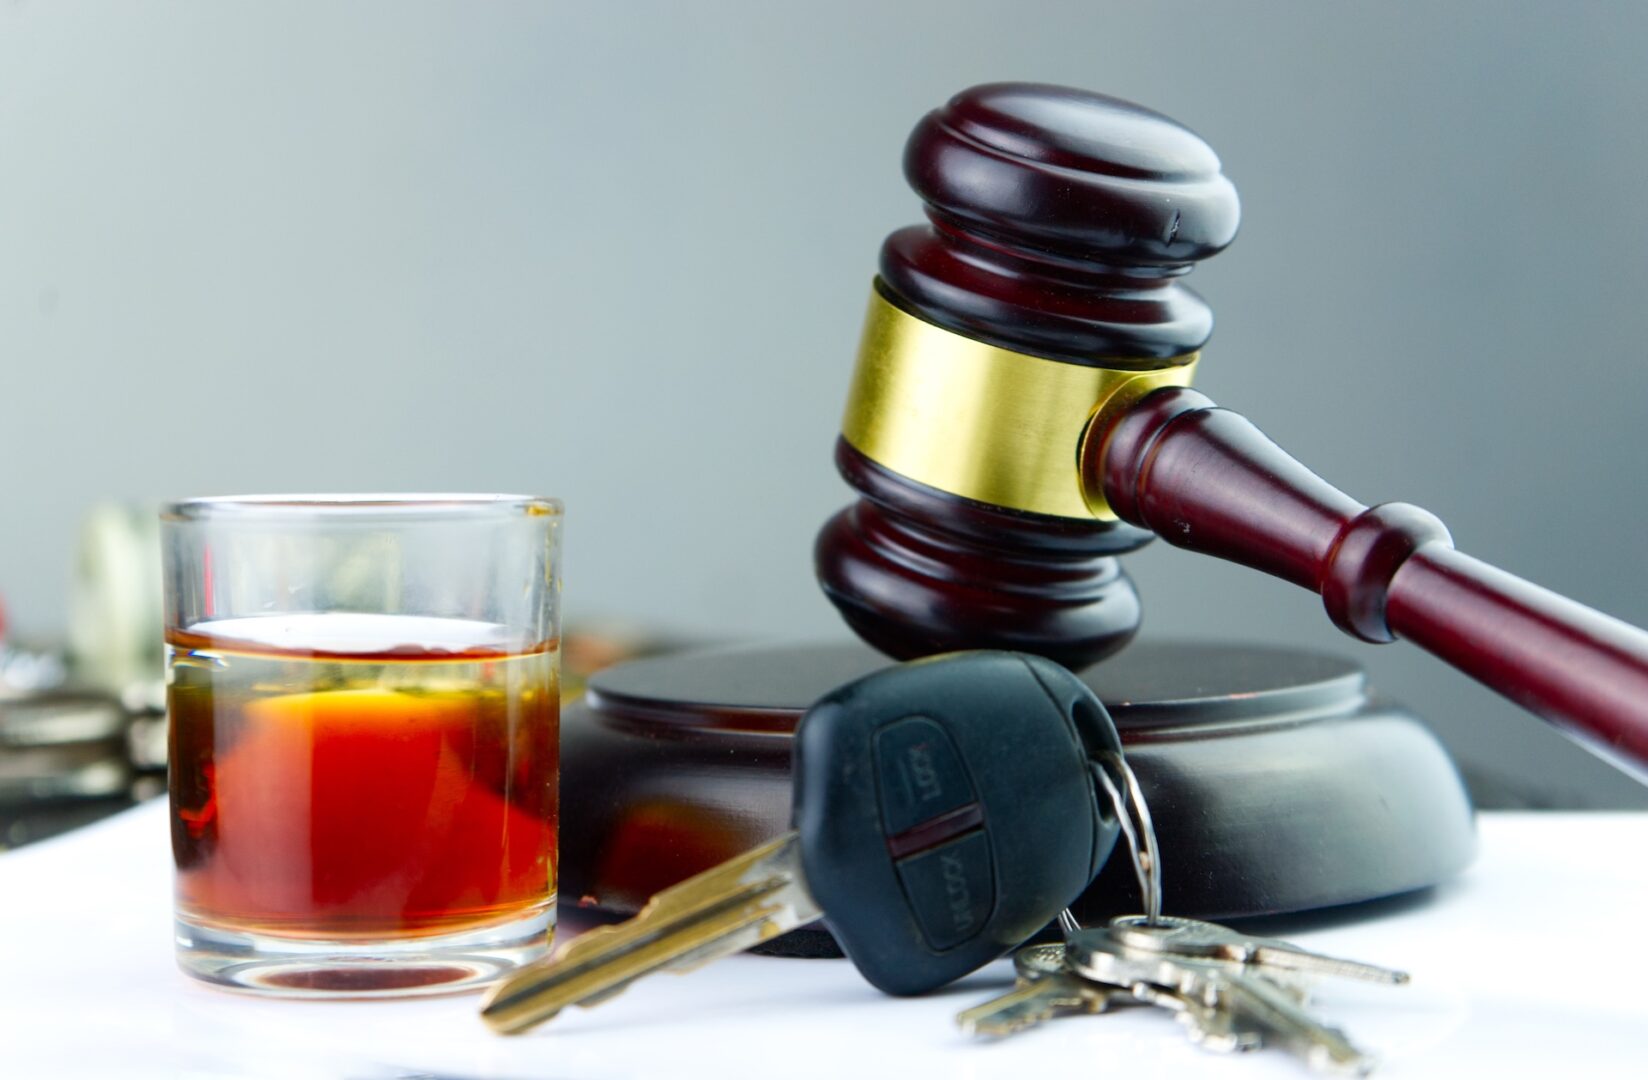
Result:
{"points": [[944, 811]]}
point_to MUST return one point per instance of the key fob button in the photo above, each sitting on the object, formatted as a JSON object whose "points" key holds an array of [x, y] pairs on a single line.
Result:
{"points": [[920, 772], [951, 889]]}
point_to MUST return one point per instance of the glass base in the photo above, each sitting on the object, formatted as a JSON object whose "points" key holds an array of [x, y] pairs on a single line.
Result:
{"points": [[287, 967]]}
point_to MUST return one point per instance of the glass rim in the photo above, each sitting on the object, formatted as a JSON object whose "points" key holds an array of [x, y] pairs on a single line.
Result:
{"points": [[375, 504]]}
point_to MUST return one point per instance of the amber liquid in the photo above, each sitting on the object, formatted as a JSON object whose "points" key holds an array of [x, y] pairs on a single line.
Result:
{"points": [[351, 777]]}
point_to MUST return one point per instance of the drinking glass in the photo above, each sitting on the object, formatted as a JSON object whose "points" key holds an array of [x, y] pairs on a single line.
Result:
{"points": [[364, 704]]}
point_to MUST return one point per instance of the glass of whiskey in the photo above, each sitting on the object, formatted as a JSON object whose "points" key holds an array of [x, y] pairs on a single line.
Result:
{"points": [[363, 694]]}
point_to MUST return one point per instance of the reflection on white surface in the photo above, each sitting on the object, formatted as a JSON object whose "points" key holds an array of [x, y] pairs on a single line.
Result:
{"points": [[91, 990]]}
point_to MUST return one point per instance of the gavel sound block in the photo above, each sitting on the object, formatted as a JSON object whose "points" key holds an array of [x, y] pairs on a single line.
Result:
{"points": [[1017, 420], [1277, 783]]}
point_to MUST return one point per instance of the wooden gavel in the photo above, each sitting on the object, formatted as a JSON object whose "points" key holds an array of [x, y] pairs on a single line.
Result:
{"points": [[1020, 415]]}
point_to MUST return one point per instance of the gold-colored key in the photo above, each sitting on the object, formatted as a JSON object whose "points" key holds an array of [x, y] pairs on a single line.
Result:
{"points": [[743, 902]]}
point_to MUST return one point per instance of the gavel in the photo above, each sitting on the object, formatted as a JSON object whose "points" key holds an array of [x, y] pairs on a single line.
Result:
{"points": [[1021, 414]]}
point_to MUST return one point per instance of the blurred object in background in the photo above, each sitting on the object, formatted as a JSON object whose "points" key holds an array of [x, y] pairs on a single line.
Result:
{"points": [[64, 762], [82, 725], [25, 670], [115, 642], [596, 645]]}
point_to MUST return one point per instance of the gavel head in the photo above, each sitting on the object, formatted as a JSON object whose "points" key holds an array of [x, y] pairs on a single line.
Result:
{"points": [[1041, 297]]}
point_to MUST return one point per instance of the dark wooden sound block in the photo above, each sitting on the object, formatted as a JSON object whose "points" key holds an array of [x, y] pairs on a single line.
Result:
{"points": [[1276, 782]]}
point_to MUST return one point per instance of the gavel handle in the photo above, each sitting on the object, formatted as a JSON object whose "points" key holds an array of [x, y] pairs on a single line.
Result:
{"points": [[1206, 479]]}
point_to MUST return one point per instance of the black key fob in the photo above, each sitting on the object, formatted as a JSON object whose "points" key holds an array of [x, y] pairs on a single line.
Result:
{"points": [[948, 810]]}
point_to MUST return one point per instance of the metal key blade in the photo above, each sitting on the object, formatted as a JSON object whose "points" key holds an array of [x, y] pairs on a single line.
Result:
{"points": [[1026, 1005], [1045, 990], [1252, 1003], [1192, 937], [1220, 1030], [1261, 1002], [746, 900]]}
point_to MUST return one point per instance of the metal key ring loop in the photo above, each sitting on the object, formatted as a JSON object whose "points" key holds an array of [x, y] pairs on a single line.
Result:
{"points": [[1133, 814]]}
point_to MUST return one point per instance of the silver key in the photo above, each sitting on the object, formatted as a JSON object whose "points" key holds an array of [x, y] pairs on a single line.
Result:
{"points": [[1210, 941], [1220, 1030], [1046, 989], [1252, 1000]]}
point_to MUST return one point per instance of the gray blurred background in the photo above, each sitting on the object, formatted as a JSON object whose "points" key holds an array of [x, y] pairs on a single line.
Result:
{"points": [[619, 254]]}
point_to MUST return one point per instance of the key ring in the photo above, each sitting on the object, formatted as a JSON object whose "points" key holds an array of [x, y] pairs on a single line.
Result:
{"points": [[1133, 815]]}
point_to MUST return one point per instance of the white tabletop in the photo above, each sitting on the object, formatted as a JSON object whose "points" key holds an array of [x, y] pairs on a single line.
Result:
{"points": [[1507, 981]]}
